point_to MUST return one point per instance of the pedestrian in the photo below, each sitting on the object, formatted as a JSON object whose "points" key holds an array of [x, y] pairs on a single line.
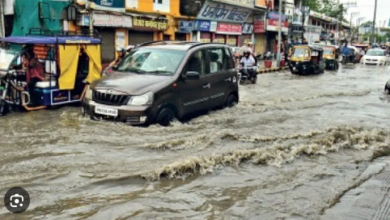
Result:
{"points": [[121, 54], [287, 47]]}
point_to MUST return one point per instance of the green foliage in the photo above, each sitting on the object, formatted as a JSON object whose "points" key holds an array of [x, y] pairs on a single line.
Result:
{"points": [[329, 7], [367, 24]]}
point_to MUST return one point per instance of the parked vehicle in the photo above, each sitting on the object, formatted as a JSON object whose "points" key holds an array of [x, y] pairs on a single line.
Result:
{"points": [[306, 60], [26, 59], [375, 57], [162, 80], [330, 56]]}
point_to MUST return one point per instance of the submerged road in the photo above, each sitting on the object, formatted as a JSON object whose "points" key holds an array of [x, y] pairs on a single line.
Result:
{"points": [[295, 148]]}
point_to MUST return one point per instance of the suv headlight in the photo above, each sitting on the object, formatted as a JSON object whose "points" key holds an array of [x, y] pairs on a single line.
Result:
{"points": [[145, 99], [88, 93]]}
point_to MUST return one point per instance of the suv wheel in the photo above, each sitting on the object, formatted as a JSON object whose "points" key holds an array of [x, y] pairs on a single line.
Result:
{"points": [[231, 101], [165, 117]]}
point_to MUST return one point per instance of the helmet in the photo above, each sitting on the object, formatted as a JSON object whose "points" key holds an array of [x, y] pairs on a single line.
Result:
{"points": [[247, 52], [129, 47], [120, 49]]}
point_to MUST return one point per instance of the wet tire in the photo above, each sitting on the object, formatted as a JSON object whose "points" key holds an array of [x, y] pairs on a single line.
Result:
{"points": [[4, 108], [254, 80], [165, 117], [231, 101], [387, 89]]}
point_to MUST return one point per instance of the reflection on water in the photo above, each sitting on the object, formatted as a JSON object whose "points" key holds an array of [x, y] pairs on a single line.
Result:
{"points": [[289, 150]]}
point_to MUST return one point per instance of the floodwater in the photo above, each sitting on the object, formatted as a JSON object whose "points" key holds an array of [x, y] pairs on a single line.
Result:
{"points": [[294, 148]]}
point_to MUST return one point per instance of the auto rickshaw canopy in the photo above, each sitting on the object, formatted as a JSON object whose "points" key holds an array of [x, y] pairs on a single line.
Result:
{"points": [[67, 49], [305, 52]]}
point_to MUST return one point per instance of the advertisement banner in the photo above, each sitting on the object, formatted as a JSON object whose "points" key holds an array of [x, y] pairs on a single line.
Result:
{"points": [[264, 4], [225, 13], [185, 26], [275, 16], [259, 27], [272, 25], [110, 5], [224, 28]]}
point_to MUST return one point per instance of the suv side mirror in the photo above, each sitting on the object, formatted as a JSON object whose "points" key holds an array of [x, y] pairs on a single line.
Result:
{"points": [[191, 75]]}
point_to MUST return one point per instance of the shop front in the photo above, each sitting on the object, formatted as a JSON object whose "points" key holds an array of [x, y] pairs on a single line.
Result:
{"points": [[260, 39], [313, 34], [273, 29], [228, 34], [112, 28], [184, 30], [146, 29]]}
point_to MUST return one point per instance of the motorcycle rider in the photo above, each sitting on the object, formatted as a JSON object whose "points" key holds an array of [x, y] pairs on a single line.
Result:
{"points": [[121, 54], [247, 62]]}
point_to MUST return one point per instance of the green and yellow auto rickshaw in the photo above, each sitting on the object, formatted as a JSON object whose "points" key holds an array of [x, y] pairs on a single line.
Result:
{"points": [[331, 57], [306, 60]]}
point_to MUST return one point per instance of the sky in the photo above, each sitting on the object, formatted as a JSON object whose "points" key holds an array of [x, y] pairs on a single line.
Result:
{"points": [[366, 10]]}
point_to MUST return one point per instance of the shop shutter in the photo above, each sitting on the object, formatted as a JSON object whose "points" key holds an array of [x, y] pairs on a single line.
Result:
{"points": [[108, 45], [137, 37], [180, 36]]}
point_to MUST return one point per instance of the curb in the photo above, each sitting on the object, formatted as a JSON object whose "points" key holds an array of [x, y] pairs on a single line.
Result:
{"points": [[270, 70]]}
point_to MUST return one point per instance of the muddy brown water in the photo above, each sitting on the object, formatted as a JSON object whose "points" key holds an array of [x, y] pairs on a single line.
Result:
{"points": [[294, 148]]}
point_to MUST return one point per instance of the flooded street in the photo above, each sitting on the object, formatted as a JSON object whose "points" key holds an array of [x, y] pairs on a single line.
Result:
{"points": [[294, 148]]}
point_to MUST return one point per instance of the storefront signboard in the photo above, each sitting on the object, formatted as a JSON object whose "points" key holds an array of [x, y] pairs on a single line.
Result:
{"points": [[120, 39], [247, 28], [110, 5], [224, 28], [259, 27], [240, 3], [185, 26], [264, 4], [106, 20], [272, 25], [275, 16], [148, 24], [201, 25], [224, 13]]}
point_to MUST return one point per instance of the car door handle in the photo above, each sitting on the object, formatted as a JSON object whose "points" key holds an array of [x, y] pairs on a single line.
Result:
{"points": [[208, 86], [228, 79]]}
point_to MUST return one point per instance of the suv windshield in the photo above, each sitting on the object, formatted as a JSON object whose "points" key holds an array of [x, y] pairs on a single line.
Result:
{"points": [[152, 61], [7, 54], [375, 53]]}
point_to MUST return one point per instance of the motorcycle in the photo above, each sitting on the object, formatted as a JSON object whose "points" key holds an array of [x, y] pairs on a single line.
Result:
{"points": [[247, 74]]}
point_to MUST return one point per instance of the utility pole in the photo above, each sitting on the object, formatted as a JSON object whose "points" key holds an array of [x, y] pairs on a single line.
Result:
{"points": [[372, 40], [90, 15], [279, 32]]}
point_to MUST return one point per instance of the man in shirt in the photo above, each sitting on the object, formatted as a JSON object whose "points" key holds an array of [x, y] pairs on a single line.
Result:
{"points": [[248, 60]]}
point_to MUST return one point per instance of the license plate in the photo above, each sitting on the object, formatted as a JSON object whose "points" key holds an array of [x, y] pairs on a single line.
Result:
{"points": [[106, 111]]}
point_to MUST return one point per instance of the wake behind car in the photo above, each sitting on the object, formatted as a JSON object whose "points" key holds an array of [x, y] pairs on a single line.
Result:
{"points": [[162, 80], [375, 57]]}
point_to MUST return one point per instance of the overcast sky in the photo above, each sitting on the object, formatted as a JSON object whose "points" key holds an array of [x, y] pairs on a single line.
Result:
{"points": [[366, 9]]}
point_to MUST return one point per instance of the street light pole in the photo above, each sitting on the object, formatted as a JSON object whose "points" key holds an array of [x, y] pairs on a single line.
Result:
{"points": [[373, 24], [279, 32]]}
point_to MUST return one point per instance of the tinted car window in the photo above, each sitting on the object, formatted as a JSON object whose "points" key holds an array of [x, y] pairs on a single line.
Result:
{"points": [[216, 59], [197, 63], [229, 62]]}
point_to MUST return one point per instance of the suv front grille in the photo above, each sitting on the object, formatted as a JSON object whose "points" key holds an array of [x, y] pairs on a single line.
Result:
{"points": [[109, 99]]}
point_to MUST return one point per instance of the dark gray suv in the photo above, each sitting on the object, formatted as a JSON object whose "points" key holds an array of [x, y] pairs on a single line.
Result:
{"points": [[162, 80]]}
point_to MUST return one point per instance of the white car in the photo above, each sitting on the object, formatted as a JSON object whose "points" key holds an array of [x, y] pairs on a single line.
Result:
{"points": [[375, 57]]}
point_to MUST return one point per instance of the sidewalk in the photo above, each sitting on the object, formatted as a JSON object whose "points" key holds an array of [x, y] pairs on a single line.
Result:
{"points": [[274, 67]]}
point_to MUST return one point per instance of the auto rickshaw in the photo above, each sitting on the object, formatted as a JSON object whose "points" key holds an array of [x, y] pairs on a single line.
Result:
{"points": [[68, 61], [306, 60], [331, 57]]}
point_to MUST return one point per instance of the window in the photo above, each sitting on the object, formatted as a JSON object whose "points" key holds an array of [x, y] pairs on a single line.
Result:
{"points": [[229, 62], [216, 59], [197, 63]]}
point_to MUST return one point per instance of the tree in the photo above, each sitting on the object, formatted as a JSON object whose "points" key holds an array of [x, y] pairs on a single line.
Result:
{"points": [[329, 7], [367, 24]]}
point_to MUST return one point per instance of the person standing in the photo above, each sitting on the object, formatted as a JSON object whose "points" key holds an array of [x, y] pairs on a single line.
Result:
{"points": [[286, 49]]}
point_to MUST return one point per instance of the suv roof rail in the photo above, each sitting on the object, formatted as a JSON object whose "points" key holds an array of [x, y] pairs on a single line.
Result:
{"points": [[167, 42], [202, 43]]}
